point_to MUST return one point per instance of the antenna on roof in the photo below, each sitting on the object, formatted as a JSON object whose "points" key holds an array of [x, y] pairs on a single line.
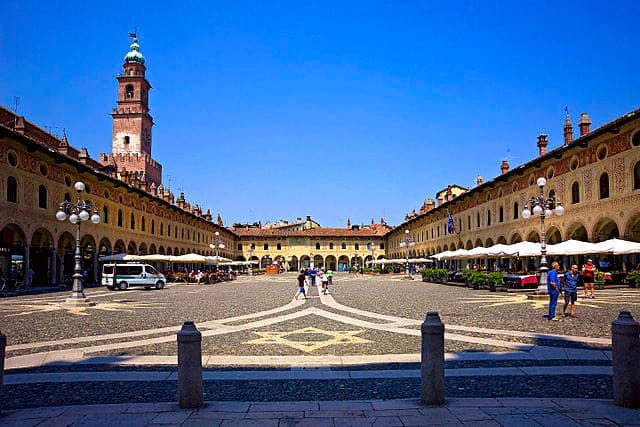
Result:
{"points": [[169, 184], [16, 102]]}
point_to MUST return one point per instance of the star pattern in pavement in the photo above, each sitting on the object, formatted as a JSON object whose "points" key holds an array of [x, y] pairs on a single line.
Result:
{"points": [[24, 309], [286, 338]]}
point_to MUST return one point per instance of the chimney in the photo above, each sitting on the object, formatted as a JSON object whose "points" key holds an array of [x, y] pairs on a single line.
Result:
{"points": [[542, 144], [430, 204], [479, 180], [504, 167], [584, 123], [181, 202], [568, 130], [308, 217], [440, 200], [449, 194], [83, 156]]}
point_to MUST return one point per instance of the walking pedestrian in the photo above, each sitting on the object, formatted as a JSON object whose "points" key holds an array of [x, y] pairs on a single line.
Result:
{"points": [[324, 278], [330, 276], [301, 279], [553, 286], [588, 277], [571, 278]]}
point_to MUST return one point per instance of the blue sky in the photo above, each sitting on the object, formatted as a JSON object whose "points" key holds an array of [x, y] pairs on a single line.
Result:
{"points": [[270, 110]]}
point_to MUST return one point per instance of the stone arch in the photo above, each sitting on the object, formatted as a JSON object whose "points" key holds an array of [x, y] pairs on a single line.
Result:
{"points": [[604, 229], [318, 261], [132, 248], [468, 245], [553, 235], [142, 249], [578, 231], [293, 263], [453, 247], [169, 250], [66, 245], [632, 229], [478, 243], [104, 248], [502, 240], [533, 236], [488, 243], [265, 261], [161, 250], [331, 262], [89, 259], [40, 256], [305, 261], [445, 248], [119, 247], [152, 249], [343, 262], [515, 238]]}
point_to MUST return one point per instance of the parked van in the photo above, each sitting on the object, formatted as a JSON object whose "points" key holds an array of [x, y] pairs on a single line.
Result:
{"points": [[131, 275]]}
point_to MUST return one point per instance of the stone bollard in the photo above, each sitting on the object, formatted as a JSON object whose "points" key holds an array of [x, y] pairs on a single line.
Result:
{"points": [[3, 347], [625, 343], [432, 366], [190, 366]]}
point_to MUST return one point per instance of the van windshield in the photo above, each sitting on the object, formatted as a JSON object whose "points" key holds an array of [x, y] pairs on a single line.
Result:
{"points": [[152, 270]]}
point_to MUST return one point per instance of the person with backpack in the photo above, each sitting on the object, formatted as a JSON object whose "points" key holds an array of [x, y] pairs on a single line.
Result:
{"points": [[301, 279]]}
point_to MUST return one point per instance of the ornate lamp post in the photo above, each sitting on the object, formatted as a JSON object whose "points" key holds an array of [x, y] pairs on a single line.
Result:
{"points": [[544, 207], [407, 243], [79, 211], [217, 243], [251, 251], [372, 249], [355, 264]]}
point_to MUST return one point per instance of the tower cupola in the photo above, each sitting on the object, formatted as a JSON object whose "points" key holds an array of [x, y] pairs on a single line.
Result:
{"points": [[134, 54]]}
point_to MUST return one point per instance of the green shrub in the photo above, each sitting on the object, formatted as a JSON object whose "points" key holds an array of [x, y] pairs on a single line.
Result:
{"points": [[495, 278], [479, 280], [633, 276]]}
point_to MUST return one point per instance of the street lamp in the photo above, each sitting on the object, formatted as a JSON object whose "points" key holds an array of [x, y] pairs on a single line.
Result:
{"points": [[544, 207], [78, 212], [251, 251], [407, 243], [216, 244]]}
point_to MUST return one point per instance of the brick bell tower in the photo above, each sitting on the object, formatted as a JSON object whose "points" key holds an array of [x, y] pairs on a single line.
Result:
{"points": [[132, 123]]}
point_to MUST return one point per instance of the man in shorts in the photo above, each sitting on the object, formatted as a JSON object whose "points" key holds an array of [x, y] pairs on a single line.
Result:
{"points": [[588, 277], [570, 278]]}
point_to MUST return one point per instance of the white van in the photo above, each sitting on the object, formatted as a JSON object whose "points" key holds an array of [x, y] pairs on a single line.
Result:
{"points": [[131, 275]]}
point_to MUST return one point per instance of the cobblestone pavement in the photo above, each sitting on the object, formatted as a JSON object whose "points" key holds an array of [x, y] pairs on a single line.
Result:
{"points": [[259, 344]]}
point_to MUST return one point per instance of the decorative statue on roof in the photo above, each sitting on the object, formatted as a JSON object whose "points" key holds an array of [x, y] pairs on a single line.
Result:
{"points": [[219, 220]]}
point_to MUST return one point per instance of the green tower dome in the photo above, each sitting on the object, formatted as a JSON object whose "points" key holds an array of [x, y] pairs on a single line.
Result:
{"points": [[134, 55]]}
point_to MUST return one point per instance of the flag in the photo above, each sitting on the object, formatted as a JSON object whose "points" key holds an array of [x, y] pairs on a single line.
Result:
{"points": [[451, 226]]}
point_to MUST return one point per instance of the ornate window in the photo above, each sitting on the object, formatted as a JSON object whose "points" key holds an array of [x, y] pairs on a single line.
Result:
{"points": [[575, 193], [604, 185], [344, 245], [266, 246], [488, 218], [153, 227], [515, 210], [636, 176], [478, 220], [279, 246], [318, 246], [356, 247], [129, 91], [133, 221], [12, 190], [331, 245], [142, 225], [501, 214], [105, 215], [119, 217], [42, 197]]}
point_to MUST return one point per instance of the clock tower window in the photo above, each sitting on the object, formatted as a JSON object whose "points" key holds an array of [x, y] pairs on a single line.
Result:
{"points": [[129, 91]]}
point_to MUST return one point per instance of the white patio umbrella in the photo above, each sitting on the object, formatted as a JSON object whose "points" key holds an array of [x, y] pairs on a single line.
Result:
{"points": [[526, 249], [501, 250], [155, 258], [119, 257], [189, 258], [441, 255], [617, 247], [216, 260], [573, 247]]}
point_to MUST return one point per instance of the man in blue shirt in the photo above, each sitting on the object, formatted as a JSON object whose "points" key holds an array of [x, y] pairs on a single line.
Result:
{"points": [[570, 290], [553, 286]]}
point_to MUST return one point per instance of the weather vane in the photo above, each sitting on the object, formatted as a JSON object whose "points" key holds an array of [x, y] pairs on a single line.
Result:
{"points": [[134, 35]]}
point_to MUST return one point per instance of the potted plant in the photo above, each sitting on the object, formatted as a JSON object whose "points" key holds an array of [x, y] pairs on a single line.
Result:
{"points": [[495, 279], [633, 278], [598, 279], [479, 280], [467, 275]]}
